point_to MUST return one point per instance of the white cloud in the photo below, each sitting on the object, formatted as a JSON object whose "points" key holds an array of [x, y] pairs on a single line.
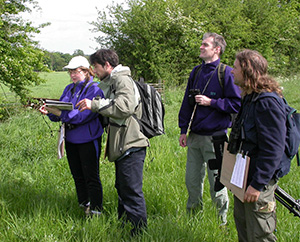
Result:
{"points": [[70, 28]]}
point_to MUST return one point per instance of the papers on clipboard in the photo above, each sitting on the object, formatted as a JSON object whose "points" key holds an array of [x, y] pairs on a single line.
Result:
{"points": [[237, 177], [58, 104], [234, 173]]}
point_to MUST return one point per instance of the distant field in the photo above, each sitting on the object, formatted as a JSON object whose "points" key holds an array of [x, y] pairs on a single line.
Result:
{"points": [[53, 88]]}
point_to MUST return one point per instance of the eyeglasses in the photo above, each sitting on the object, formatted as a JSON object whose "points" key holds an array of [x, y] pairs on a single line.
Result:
{"points": [[74, 71]]}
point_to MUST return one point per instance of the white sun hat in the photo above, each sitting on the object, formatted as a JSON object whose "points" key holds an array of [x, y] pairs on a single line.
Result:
{"points": [[78, 61]]}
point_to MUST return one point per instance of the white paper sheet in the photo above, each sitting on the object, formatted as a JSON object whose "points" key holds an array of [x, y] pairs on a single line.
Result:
{"points": [[238, 173], [60, 144]]}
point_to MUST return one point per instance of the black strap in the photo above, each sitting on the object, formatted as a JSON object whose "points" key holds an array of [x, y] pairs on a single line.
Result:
{"points": [[221, 75], [206, 85], [195, 75], [87, 87]]}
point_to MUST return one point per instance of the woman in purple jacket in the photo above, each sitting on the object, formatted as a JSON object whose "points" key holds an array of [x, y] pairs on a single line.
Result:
{"points": [[83, 132]]}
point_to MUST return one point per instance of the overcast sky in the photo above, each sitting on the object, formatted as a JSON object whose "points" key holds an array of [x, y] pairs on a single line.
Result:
{"points": [[70, 28]]}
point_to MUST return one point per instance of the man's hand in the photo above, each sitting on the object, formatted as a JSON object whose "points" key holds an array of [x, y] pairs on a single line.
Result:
{"points": [[84, 104], [182, 140], [202, 100], [251, 195]]}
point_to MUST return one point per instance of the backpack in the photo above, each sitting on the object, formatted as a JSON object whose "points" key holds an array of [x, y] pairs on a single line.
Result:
{"points": [[153, 111], [292, 140]]}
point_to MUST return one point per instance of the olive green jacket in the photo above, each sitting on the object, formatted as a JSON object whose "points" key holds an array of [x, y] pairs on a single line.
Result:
{"points": [[120, 103]]}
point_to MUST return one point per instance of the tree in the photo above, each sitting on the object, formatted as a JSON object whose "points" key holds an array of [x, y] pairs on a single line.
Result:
{"points": [[161, 39], [78, 52], [150, 37], [55, 61], [20, 58]]}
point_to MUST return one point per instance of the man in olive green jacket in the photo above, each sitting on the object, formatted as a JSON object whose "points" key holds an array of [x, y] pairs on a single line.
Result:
{"points": [[126, 144]]}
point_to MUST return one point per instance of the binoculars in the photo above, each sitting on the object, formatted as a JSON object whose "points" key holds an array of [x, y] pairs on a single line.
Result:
{"points": [[192, 94]]}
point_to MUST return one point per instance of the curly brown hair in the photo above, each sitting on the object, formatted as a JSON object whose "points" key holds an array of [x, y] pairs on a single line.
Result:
{"points": [[255, 73]]}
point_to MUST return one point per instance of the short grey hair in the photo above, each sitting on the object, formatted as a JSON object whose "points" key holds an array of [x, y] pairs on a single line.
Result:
{"points": [[218, 41]]}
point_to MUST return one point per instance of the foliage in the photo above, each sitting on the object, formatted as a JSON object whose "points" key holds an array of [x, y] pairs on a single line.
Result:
{"points": [[7, 108], [55, 61], [161, 39], [20, 58], [150, 37], [38, 199]]}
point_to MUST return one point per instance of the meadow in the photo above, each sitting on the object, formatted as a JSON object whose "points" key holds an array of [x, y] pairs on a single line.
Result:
{"points": [[37, 193]]}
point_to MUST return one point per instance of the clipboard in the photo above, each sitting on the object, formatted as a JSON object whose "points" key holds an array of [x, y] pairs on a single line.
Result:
{"points": [[228, 164], [58, 104]]}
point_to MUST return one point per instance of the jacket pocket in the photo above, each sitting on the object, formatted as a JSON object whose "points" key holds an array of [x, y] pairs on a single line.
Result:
{"points": [[117, 140]]}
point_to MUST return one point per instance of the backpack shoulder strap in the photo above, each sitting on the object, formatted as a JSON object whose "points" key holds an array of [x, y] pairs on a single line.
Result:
{"points": [[221, 74], [271, 94]]}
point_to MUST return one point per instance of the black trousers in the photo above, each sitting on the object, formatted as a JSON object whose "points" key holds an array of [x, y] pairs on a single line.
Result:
{"points": [[84, 165], [129, 184]]}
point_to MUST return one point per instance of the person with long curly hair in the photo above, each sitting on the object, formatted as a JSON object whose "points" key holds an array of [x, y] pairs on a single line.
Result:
{"points": [[260, 131]]}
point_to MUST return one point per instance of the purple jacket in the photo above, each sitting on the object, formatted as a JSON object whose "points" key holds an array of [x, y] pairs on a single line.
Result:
{"points": [[210, 119], [86, 126]]}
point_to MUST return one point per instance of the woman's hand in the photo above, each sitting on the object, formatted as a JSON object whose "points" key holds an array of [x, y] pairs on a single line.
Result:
{"points": [[43, 110]]}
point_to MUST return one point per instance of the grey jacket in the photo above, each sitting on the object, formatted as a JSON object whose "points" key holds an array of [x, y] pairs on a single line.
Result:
{"points": [[120, 102]]}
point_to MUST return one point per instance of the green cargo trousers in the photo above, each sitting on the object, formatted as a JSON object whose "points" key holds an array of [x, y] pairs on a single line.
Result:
{"points": [[200, 150], [256, 222]]}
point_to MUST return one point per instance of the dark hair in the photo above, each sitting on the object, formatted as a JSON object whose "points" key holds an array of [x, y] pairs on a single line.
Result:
{"points": [[255, 73], [218, 41], [103, 55]]}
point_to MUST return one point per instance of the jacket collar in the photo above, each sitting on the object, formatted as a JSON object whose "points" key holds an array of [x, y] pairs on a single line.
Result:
{"points": [[211, 64]]}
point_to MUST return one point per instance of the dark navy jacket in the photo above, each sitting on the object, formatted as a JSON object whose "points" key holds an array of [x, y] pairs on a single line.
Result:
{"points": [[265, 132], [209, 119], [87, 126]]}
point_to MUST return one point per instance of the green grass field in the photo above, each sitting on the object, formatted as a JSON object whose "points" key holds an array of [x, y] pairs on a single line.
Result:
{"points": [[37, 192]]}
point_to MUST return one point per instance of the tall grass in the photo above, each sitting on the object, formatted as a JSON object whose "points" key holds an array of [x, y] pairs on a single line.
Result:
{"points": [[38, 199]]}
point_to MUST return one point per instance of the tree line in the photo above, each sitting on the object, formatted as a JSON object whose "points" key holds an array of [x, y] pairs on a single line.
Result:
{"points": [[161, 39], [55, 61], [158, 39]]}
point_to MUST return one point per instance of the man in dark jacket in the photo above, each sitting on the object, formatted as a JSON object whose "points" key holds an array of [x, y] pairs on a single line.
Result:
{"points": [[262, 119], [210, 109]]}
